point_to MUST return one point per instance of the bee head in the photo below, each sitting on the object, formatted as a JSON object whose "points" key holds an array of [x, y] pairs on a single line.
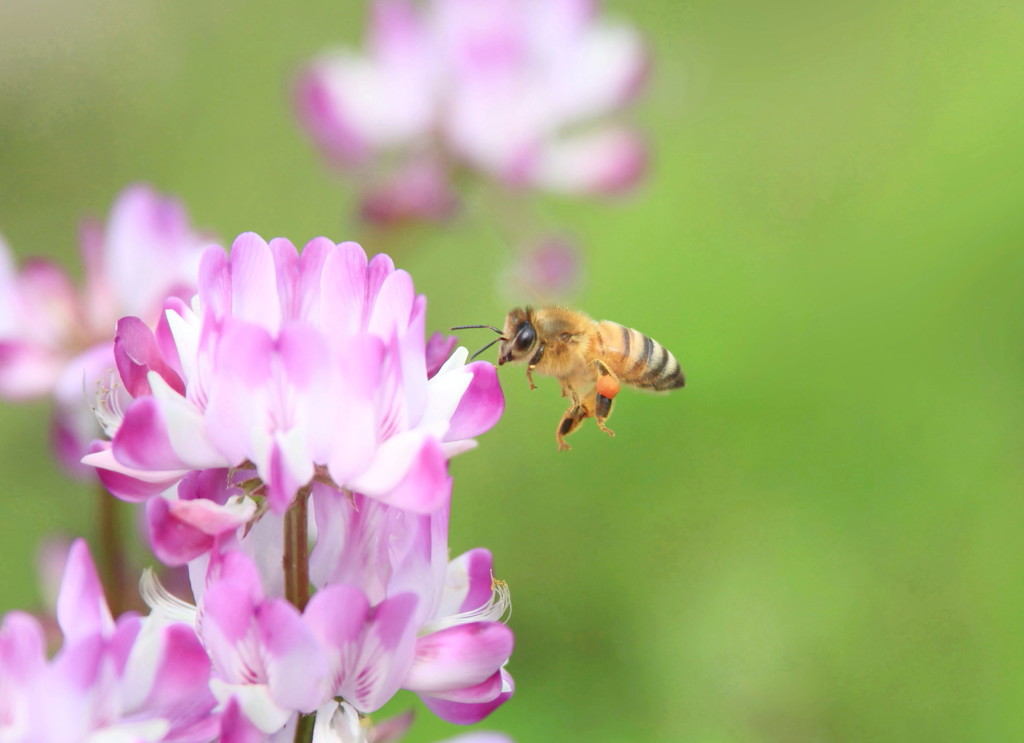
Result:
{"points": [[519, 336], [518, 339]]}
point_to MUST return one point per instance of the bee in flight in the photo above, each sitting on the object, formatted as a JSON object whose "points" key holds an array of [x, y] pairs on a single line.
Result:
{"points": [[589, 359]]}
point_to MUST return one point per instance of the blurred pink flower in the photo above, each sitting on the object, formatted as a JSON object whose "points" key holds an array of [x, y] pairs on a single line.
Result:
{"points": [[548, 271], [420, 189], [55, 339], [516, 89], [135, 679], [300, 368]]}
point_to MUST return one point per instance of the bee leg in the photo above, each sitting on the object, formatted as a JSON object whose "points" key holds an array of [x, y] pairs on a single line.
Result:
{"points": [[533, 365], [569, 423], [569, 391], [603, 409]]}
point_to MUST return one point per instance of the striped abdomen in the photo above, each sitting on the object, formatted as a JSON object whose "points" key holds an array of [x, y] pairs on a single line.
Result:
{"points": [[638, 359]]}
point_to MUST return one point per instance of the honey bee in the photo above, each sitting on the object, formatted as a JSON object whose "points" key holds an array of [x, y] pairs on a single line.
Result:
{"points": [[589, 359]]}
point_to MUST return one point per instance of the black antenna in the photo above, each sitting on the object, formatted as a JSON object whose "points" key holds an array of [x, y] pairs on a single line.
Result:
{"points": [[488, 327], [485, 348], [471, 327]]}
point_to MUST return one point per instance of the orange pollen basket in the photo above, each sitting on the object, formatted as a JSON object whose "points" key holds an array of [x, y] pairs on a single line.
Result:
{"points": [[607, 386]]}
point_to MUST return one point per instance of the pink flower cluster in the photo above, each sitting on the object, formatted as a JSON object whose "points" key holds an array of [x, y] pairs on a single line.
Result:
{"points": [[298, 367], [135, 679], [244, 665], [515, 89], [55, 338], [390, 612], [289, 379]]}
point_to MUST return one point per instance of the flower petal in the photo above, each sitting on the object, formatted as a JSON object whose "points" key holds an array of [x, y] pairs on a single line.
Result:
{"points": [[22, 649], [213, 518], [181, 530], [420, 190], [467, 583], [27, 370], [149, 251], [482, 736], [392, 308], [410, 471], [297, 670], [127, 483], [340, 723], [348, 423], [480, 407], [459, 656], [485, 691], [81, 606], [343, 290], [469, 713], [352, 105], [184, 428], [257, 706], [439, 349], [167, 674], [235, 727], [174, 541], [602, 68], [607, 161], [143, 442], [136, 353], [337, 614], [254, 296], [372, 674]]}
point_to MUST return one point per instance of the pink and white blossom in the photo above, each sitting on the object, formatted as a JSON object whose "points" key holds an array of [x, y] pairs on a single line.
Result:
{"points": [[273, 661], [517, 89], [390, 611], [138, 679], [299, 367], [55, 338], [287, 377]]}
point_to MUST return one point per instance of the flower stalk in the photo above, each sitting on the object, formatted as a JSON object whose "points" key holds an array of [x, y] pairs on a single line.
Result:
{"points": [[304, 728], [296, 579], [111, 550], [296, 552]]}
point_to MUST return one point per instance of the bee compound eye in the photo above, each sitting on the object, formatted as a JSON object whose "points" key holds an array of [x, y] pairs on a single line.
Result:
{"points": [[525, 337]]}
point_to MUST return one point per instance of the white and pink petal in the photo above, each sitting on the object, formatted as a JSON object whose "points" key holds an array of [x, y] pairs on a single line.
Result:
{"points": [[468, 583], [480, 406], [372, 670], [605, 161], [410, 471], [458, 657], [298, 673], [81, 606], [469, 713]]}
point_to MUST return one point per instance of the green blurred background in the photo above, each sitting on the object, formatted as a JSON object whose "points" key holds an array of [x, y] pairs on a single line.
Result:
{"points": [[819, 539]]}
